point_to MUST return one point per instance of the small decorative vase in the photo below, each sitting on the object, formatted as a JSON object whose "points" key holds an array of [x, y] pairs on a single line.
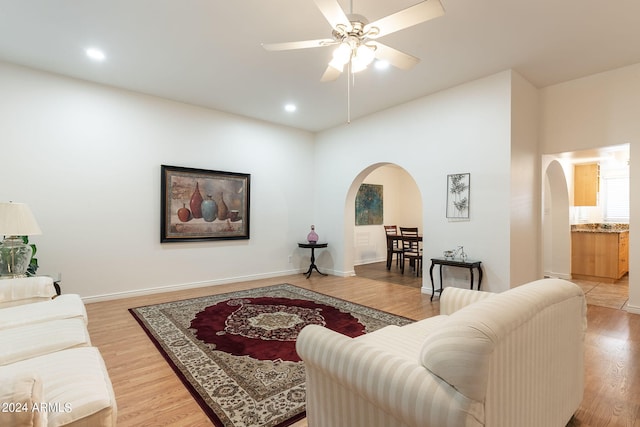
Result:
{"points": [[196, 203], [312, 237]]}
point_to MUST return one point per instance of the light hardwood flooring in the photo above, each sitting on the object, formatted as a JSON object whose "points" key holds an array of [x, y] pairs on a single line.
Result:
{"points": [[612, 295], [378, 271], [150, 394]]}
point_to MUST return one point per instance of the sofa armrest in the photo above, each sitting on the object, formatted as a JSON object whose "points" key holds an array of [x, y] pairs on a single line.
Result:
{"points": [[346, 377], [63, 307], [453, 299], [25, 290], [20, 393]]}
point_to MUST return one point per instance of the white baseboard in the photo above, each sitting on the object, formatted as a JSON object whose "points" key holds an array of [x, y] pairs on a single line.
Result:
{"points": [[183, 286], [369, 261], [426, 290], [565, 276]]}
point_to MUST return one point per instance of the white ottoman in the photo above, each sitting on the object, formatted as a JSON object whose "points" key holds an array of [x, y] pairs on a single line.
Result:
{"points": [[76, 389]]}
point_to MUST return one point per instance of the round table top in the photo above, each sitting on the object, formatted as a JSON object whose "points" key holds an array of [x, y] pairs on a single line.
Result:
{"points": [[312, 245]]}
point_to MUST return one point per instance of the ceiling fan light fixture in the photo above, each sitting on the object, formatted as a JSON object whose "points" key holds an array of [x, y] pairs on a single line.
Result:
{"points": [[357, 66], [337, 65], [365, 54], [342, 54], [381, 64], [362, 57]]}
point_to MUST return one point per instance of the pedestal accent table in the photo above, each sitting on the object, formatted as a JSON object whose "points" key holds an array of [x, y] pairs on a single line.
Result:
{"points": [[313, 265]]}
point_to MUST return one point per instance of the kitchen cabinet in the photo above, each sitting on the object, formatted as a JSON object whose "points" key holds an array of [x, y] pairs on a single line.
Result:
{"points": [[623, 254], [586, 184], [601, 256]]}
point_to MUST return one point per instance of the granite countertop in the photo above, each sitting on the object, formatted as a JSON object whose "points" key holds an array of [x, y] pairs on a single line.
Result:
{"points": [[607, 227]]}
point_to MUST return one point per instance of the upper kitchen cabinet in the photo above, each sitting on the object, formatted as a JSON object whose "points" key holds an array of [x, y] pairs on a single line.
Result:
{"points": [[586, 184]]}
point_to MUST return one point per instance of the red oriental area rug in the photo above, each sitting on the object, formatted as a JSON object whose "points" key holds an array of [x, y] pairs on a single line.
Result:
{"points": [[236, 354]]}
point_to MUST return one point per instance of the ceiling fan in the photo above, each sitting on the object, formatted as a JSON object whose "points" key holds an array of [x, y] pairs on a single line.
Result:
{"points": [[356, 38]]}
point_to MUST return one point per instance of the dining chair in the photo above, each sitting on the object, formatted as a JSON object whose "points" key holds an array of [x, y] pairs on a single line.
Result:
{"points": [[393, 247], [411, 249]]}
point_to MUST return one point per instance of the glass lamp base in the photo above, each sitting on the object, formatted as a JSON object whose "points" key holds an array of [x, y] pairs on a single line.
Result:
{"points": [[15, 257]]}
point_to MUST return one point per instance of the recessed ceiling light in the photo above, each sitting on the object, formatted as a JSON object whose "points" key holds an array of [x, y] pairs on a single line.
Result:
{"points": [[290, 108], [381, 65], [95, 54]]}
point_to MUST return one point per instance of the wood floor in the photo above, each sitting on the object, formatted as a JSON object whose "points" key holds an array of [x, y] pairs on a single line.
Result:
{"points": [[149, 393]]}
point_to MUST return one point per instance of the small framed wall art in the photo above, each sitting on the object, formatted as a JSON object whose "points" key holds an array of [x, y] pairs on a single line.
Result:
{"points": [[458, 189], [200, 204]]}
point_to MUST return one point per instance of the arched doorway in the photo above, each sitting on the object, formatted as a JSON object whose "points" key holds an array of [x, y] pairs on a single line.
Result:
{"points": [[556, 223], [402, 202]]}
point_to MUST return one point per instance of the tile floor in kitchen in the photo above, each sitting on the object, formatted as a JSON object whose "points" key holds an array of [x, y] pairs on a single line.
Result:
{"points": [[612, 295]]}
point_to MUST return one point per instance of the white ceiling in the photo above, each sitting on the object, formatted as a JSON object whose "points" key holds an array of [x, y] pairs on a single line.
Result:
{"points": [[208, 52]]}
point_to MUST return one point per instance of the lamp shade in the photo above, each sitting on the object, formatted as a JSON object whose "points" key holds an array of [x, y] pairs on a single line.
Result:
{"points": [[16, 219]]}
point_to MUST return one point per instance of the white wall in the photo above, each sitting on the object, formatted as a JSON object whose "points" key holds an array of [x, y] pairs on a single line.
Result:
{"points": [[526, 231], [93, 157], [598, 111], [463, 129], [402, 206], [86, 159]]}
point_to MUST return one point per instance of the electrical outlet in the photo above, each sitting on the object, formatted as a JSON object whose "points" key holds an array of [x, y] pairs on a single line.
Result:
{"points": [[289, 259]]}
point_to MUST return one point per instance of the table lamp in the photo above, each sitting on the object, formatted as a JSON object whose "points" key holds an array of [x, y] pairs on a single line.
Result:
{"points": [[16, 220]]}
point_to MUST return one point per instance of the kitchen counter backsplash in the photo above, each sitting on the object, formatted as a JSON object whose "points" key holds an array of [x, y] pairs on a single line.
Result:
{"points": [[601, 227]]}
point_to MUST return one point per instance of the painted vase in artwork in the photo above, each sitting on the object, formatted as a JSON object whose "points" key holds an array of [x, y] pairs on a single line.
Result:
{"points": [[209, 209], [312, 237], [223, 211], [196, 203]]}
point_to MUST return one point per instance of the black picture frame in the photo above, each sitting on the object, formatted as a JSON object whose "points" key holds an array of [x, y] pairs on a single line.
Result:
{"points": [[201, 204]]}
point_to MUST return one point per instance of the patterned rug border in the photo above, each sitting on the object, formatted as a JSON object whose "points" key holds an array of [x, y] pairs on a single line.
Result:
{"points": [[185, 381], [306, 293]]}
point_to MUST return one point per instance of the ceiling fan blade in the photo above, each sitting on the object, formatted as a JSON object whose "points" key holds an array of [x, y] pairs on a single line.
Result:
{"points": [[330, 74], [408, 17], [394, 57], [333, 12], [298, 45]]}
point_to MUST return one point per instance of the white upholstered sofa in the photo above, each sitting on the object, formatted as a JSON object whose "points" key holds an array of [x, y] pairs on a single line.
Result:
{"points": [[513, 359], [50, 375]]}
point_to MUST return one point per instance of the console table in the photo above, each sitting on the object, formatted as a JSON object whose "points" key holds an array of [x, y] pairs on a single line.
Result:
{"points": [[313, 265], [469, 263]]}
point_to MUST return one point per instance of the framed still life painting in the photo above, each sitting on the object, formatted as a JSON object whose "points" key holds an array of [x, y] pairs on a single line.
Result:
{"points": [[200, 204]]}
